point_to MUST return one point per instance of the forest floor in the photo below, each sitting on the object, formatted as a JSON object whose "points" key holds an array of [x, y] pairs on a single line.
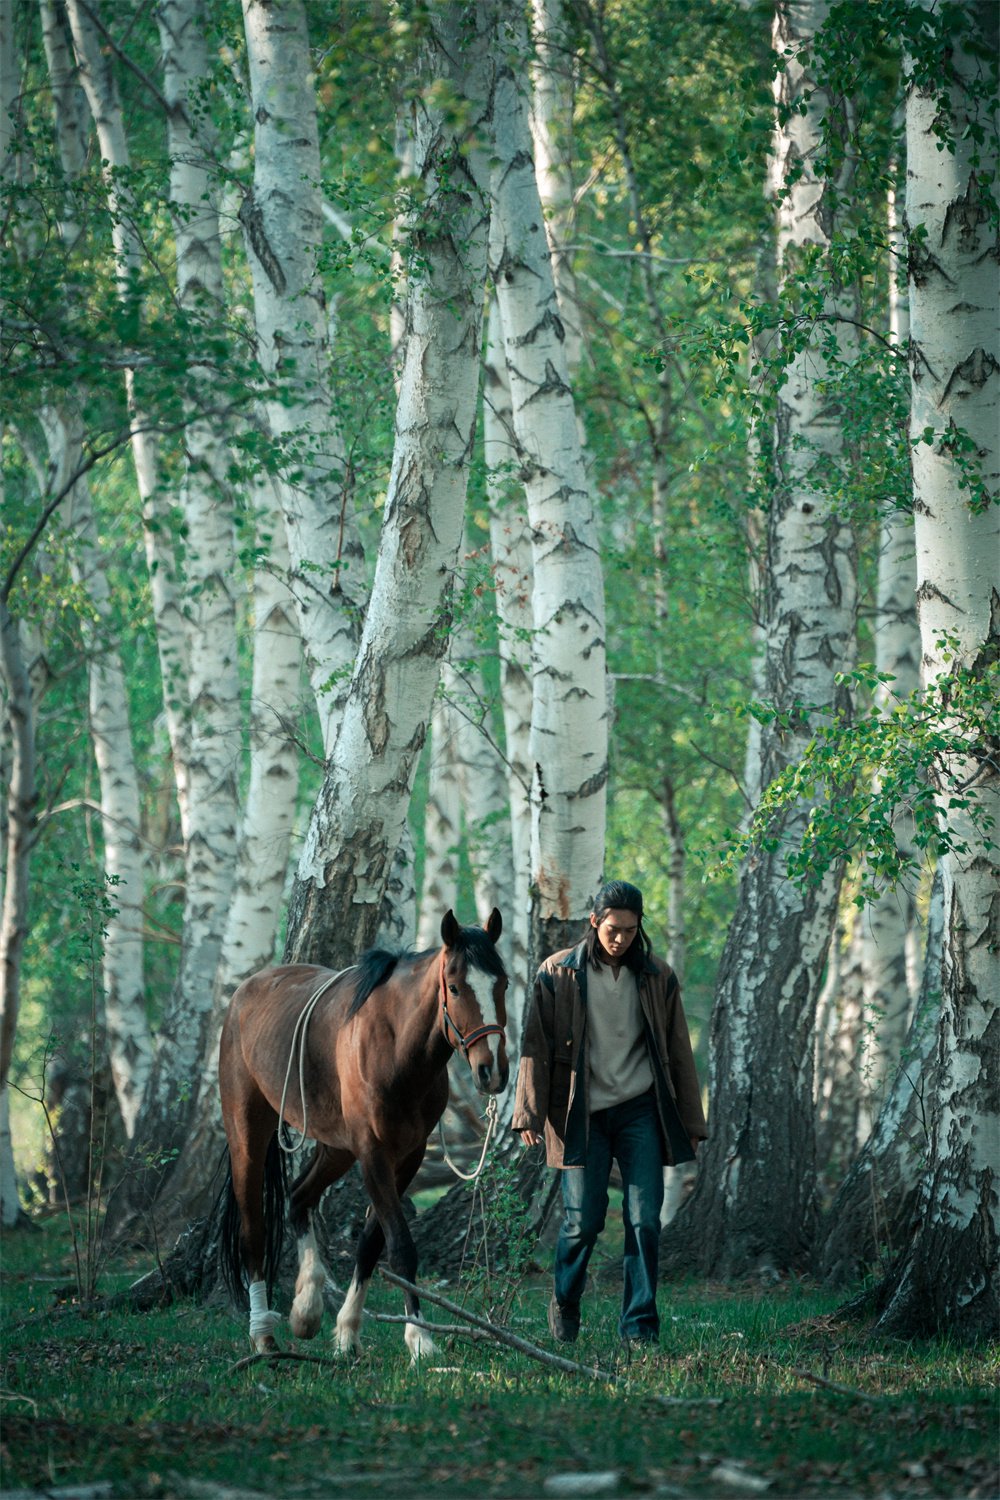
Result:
{"points": [[751, 1392]]}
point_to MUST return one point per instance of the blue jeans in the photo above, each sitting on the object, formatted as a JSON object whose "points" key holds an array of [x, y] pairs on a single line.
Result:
{"points": [[630, 1134]]}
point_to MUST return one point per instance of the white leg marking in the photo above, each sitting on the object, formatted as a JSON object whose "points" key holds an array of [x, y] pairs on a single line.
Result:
{"points": [[262, 1322], [419, 1343], [349, 1318], [307, 1309]]}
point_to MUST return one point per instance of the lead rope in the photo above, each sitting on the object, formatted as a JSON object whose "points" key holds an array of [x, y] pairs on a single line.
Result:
{"points": [[299, 1041], [492, 1120]]}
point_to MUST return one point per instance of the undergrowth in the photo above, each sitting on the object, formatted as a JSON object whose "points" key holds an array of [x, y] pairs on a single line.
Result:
{"points": [[754, 1390]]}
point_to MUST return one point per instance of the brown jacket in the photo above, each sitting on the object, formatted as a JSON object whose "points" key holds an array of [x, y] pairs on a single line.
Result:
{"points": [[553, 1076]]}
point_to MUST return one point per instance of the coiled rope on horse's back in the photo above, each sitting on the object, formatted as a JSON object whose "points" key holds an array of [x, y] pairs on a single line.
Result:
{"points": [[299, 1044], [299, 1041]]}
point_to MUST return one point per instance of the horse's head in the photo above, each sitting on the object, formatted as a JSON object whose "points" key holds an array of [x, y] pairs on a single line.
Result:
{"points": [[473, 1009]]}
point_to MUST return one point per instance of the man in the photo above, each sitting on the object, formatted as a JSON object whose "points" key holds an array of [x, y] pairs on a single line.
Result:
{"points": [[607, 1074]]}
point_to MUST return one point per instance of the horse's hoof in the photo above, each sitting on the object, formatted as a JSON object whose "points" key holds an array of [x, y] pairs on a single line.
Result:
{"points": [[266, 1344], [304, 1327]]}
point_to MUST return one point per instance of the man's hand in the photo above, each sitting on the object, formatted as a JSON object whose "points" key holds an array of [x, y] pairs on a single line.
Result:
{"points": [[532, 1138]]}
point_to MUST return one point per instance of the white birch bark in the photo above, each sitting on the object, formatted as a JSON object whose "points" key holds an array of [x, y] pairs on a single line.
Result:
{"points": [[754, 1206], [129, 1042], [282, 219], [209, 606], [510, 547], [551, 122], [891, 923], [442, 825], [482, 781], [96, 76], [126, 1025], [361, 810], [871, 1217], [270, 799], [569, 728], [947, 1280]]}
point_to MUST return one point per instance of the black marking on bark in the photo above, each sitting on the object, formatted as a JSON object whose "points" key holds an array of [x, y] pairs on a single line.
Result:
{"points": [[252, 220], [921, 265], [975, 369], [928, 590], [966, 215], [551, 385]]}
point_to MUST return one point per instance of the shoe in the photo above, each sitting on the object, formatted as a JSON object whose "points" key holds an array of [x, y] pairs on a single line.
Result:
{"points": [[640, 1343], [564, 1322]]}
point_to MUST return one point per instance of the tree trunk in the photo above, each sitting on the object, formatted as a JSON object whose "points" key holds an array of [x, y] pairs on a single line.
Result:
{"points": [[361, 809], [96, 77], [442, 824], [551, 120], [569, 769], [891, 922], [282, 222], [510, 547], [126, 1026], [946, 1279], [19, 712], [754, 1205], [872, 1214]]}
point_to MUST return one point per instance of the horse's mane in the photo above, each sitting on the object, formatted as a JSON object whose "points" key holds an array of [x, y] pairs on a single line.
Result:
{"points": [[374, 968], [375, 965]]}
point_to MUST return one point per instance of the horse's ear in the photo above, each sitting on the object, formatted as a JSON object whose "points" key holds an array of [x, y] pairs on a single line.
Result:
{"points": [[449, 928], [494, 925]]}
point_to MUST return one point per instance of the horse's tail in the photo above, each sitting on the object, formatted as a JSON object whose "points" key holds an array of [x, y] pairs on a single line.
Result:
{"points": [[231, 1261]]}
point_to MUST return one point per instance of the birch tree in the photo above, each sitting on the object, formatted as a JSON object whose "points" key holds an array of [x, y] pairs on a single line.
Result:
{"points": [[946, 1279], [890, 930], [871, 1216], [361, 809], [569, 725], [754, 1205], [510, 550], [282, 219]]}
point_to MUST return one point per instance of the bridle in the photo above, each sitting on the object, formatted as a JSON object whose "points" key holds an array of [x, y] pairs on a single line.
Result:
{"points": [[448, 1026]]}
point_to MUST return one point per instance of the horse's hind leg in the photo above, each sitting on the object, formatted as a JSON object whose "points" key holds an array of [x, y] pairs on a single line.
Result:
{"points": [[326, 1166], [253, 1164]]}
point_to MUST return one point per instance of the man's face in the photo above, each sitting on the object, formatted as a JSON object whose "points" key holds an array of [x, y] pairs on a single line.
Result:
{"points": [[616, 931]]}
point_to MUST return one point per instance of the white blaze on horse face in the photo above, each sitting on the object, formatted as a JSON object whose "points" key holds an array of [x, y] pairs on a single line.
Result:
{"points": [[307, 1310], [481, 986], [349, 1318], [262, 1322]]}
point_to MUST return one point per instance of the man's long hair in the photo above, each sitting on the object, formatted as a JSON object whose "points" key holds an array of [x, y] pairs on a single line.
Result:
{"points": [[618, 895]]}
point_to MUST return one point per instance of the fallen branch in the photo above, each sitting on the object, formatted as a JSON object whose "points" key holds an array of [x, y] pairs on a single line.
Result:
{"points": [[501, 1334], [831, 1385]]}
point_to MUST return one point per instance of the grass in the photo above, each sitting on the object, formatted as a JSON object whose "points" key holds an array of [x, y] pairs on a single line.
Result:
{"points": [[152, 1405]]}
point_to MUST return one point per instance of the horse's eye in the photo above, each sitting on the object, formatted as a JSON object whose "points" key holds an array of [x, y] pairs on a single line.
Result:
{"points": [[453, 989]]}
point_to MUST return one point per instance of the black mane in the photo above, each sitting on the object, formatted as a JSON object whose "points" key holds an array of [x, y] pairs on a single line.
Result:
{"points": [[375, 966]]}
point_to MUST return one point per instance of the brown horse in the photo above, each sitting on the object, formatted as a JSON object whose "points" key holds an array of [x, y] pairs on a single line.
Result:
{"points": [[357, 1062]]}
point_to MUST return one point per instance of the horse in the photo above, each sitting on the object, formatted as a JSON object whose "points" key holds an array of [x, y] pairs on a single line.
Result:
{"points": [[357, 1061]]}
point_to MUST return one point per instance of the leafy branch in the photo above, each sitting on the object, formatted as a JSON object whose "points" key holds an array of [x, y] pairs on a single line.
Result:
{"points": [[897, 785]]}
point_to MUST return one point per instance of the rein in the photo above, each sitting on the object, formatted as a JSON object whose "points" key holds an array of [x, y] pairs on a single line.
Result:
{"points": [[463, 1043], [447, 1024], [492, 1121], [299, 1041]]}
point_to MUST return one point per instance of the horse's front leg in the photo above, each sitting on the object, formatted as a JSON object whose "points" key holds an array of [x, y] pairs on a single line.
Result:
{"points": [[325, 1166], [384, 1187]]}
